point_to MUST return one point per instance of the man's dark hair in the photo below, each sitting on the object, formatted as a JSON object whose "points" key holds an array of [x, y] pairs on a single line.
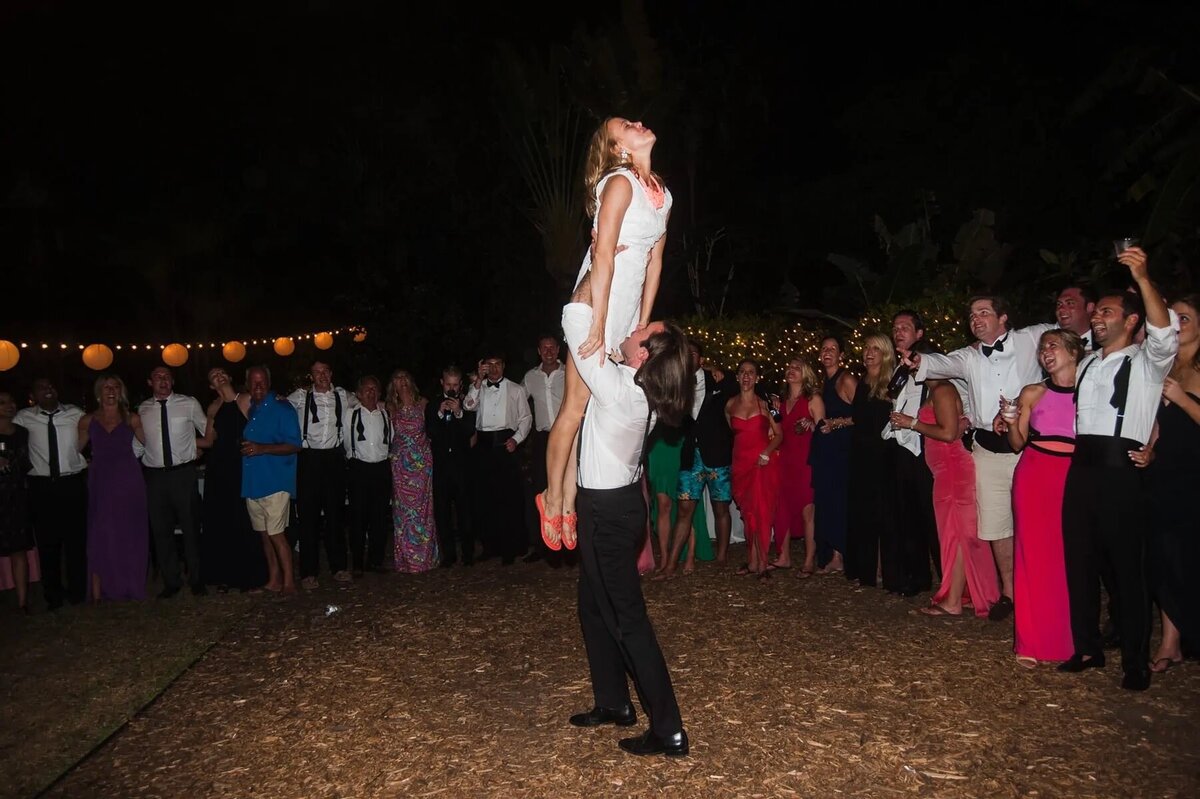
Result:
{"points": [[363, 380], [545, 336], [666, 376], [1131, 303], [1087, 292], [918, 322], [695, 344], [999, 304], [451, 371]]}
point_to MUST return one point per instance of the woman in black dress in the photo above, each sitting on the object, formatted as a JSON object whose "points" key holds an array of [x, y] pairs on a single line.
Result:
{"points": [[870, 480], [830, 457], [231, 552], [1173, 551], [16, 535]]}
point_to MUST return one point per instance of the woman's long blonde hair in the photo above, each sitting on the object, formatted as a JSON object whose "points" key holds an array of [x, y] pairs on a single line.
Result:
{"points": [[809, 384], [877, 388], [393, 397], [602, 158]]}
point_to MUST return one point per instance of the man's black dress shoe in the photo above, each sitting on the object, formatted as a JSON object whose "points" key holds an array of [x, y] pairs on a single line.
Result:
{"points": [[533, 556], [621, 716], [650, 744], [199, 590], [167, 593], [1001, 610], [1077, 664], [1138, 680]]}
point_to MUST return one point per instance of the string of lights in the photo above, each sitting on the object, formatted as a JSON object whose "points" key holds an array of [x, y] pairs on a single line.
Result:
{"points": [[97, 355]]}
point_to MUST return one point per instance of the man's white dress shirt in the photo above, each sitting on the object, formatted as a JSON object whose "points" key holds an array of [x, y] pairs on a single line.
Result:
{"points": [[546, 391], [372, 443], [617, 419], [1149, 364], [66, 430], [322, 432], [990, 375], [501, 407], [185, 418]]}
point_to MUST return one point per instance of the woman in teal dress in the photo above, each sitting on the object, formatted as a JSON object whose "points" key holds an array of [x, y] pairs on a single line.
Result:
{"points": [[416, 544], [666, 444]]}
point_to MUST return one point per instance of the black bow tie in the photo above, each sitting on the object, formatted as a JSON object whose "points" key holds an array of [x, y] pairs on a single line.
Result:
{"points": [[494, 385], [997, 347]]}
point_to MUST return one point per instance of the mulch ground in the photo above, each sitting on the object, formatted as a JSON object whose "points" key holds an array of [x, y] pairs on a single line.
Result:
{"points": [[459, 683]]}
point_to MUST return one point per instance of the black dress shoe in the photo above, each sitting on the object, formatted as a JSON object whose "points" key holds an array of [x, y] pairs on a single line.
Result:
{"points": [[1001, 610], [1077, 664], [533, 556], [167, 593], [199, 590], [507, 560], [650, 744], [621, 716], [1137, 680]]}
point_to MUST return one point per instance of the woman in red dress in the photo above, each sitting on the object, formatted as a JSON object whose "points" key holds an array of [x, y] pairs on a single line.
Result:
{"points": [[755, 470], [800, 411]]}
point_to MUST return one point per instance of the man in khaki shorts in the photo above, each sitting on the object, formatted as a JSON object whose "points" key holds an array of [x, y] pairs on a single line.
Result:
{"points": [[995, 369], [269, 446]]}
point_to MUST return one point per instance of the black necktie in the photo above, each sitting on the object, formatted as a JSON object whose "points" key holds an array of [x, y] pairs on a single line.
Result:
{"points": [[168, 461], [493, 385], [312, 406], [52, 445], [997, 347], [358, 426]]}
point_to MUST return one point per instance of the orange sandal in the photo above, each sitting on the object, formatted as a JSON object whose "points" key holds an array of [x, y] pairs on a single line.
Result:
{"points": [[553, 524], [569, 532]]}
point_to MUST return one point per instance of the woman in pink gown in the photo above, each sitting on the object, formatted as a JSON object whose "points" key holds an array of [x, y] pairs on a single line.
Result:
{"points": [[968, 571], [799, 413], [755, 470], [1044, 433]]}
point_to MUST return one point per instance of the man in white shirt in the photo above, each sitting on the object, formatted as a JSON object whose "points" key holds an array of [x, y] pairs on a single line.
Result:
{"points": [[502, 422], [910, 541], [368, 439], [57, 492], [1000, 364], [1104, 508], [321, 474], [544, 384], [617, 634], [170, 423]]}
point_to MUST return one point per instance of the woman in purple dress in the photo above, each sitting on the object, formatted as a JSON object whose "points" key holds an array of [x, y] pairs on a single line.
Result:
{"points": [[412, 478], [118, 534]]}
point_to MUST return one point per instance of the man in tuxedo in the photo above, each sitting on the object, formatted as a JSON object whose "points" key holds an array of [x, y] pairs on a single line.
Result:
{"points": [[706, 458], [1073, 310], [909, 543], [502, 422], [451, 429], [617, 634]]}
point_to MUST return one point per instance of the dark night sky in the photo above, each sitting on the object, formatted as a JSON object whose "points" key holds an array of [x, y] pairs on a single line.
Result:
{"points": [[231, 173]]}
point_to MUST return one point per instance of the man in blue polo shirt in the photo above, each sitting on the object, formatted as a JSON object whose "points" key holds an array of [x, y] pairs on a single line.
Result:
{"points": [[269, 446]]}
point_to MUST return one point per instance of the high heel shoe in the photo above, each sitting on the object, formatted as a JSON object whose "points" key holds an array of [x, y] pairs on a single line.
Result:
{"points": [[551, 524]]}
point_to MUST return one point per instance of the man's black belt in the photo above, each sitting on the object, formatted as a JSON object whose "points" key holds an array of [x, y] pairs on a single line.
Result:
{"points": [[494, 438], [1107, 451]]}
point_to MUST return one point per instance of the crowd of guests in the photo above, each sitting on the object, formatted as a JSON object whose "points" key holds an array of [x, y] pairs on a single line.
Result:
{"points": [[1015, 475]]}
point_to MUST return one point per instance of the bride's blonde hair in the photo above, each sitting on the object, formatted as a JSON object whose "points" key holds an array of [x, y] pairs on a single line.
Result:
{"points": [[602, 158]]}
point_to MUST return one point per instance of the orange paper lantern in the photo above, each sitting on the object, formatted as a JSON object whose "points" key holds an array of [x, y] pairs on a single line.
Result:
{"points": [[174, 355], [234, 351], [284, 346], [9, 355], [323, 340], [360, 335], [97, 356]]}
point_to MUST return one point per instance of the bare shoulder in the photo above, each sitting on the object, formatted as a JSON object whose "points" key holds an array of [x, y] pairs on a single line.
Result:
{"points": [[1032, 393], [847, 380]]}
